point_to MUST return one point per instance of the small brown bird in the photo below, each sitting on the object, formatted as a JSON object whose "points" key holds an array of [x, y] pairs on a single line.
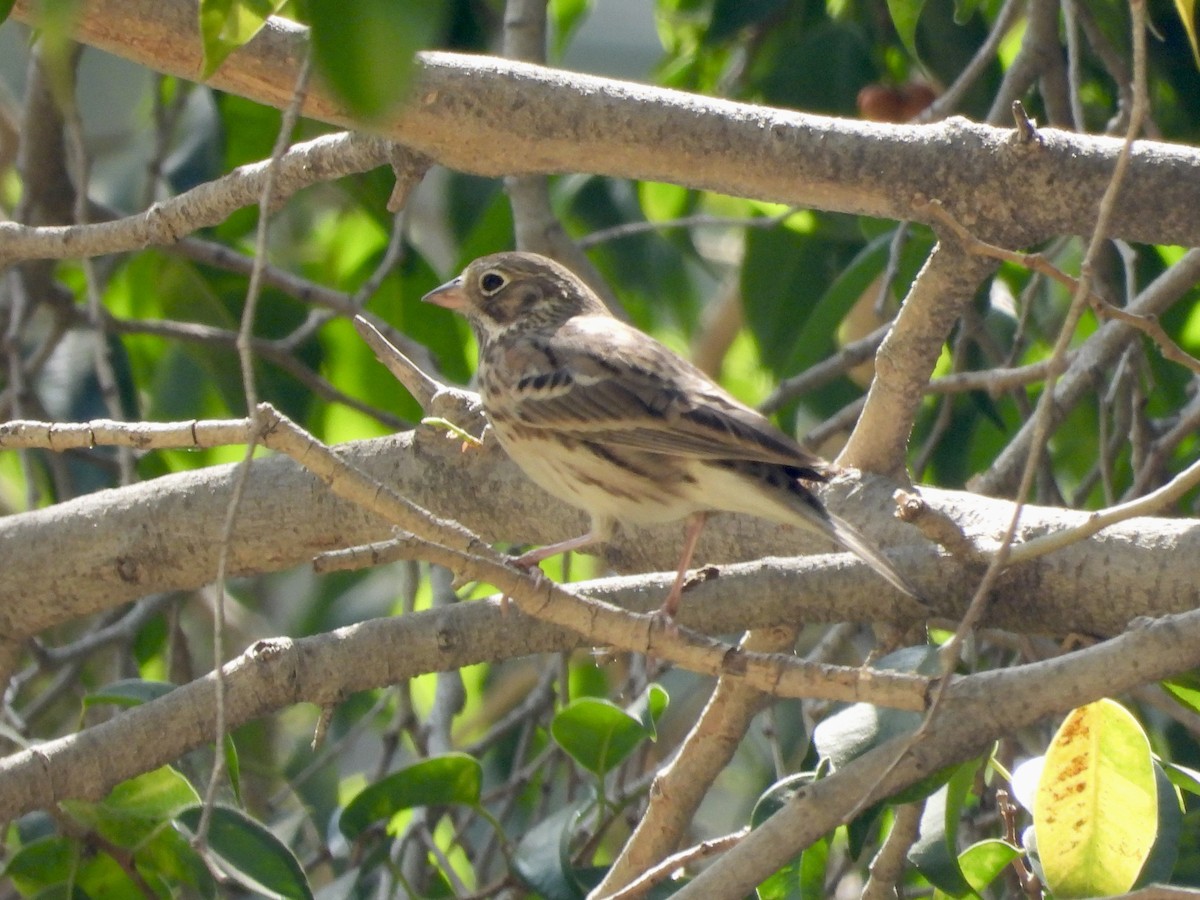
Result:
{"points": [[609, 420]]}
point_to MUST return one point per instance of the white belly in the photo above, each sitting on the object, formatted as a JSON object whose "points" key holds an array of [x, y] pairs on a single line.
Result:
{"points": [[634, 487]]}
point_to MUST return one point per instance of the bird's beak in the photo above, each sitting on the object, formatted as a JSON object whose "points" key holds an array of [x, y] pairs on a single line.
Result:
{"points": [[450, 295]]}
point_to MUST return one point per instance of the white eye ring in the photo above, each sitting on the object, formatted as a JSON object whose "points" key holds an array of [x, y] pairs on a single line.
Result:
{"points": [[492, 281]]}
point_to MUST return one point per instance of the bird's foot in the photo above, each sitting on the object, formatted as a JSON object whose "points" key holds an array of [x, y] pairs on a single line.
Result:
{"points": [[528, 563]]}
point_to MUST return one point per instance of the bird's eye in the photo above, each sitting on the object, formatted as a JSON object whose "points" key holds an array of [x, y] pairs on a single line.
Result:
{"points": [[491, 281]]}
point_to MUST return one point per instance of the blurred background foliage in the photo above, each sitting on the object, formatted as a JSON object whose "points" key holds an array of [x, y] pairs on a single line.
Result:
{"points": [[757, 293]]}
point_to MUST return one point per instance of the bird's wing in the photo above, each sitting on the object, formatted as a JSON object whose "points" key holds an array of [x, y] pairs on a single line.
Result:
{"points": [[598, 379]]}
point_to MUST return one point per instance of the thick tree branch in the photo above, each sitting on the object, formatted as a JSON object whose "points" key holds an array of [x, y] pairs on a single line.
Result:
{"points": [[322, 159], [906, 358], [497, 117], [91, 554]]}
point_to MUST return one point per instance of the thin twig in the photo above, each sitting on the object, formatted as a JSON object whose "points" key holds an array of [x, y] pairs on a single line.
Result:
{"points": [[1036, 262], [245, 350], [1101, 519], [984, 57], [657, 874]]}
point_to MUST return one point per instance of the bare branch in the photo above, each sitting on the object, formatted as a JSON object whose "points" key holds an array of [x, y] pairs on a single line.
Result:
{"points": [[498, 117]]}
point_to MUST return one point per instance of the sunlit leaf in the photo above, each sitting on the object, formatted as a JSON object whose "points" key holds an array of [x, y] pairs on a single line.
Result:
{"points": [[1186, 687], [663, 202], [135, 809], [597, 734], [1096, 810], [226, 25], [565, 18], [801, 879], [905, 14], [983, 862], [1187, 15], [1182, 777], [649, 708]]}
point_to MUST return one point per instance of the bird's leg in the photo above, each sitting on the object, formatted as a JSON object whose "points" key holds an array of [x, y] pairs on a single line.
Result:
{"points": [[599, 533], [695, 525], [533, 557]]}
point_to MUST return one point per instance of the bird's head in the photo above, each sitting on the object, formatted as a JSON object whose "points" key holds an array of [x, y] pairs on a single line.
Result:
{"points": [[503, 291]]}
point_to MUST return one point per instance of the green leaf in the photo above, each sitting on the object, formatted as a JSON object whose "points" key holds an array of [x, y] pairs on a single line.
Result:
{"points": [[167, 856], [778, 795], [41, 864], [782, 278], [816, 66], [1160, 864], [935, 853], [801, 879], [134, 809], [233, 768], [1182, 777], [128, 692], [597, 733], [1187, 15], [804, 875], [649, 708], [249, 853], [542, 858], [662, 202], [859, 727], [1096, 810], [565, 18], [964, 9], [6, 7], [1186, 687], [155, 795], [441, 780], [812, 342], [364, 50], [226, 25], [731, 16], [983, 862], [905, 15]]}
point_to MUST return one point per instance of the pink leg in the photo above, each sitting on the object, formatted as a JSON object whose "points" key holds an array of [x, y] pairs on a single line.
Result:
{"points": [[533, 557], [694, 527]]}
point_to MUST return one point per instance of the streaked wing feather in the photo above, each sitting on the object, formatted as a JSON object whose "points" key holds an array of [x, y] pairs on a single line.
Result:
{"points": [[601, 380]]}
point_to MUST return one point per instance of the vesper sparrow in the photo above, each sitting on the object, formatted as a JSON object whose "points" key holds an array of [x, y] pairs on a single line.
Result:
{"points": [[609, 420]]}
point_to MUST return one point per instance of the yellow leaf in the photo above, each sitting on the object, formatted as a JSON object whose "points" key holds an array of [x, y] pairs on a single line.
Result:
{"points": [[1096, 809], [1187, 12]]}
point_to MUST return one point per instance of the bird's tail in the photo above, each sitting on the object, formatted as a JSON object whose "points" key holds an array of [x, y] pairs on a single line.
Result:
{"points": [[855, 541]]}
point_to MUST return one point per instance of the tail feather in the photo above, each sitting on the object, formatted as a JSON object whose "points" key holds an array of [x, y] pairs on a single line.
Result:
{"points": [[858, 543]]}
